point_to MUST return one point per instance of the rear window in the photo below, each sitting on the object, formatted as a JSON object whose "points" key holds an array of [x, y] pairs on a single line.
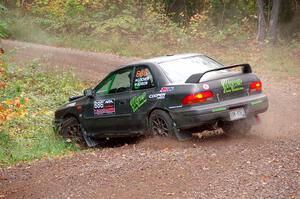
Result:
{"points": [[179, 70]]}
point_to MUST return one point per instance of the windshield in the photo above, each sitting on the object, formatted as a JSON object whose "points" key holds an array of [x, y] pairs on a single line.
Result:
{"points": [[179, 70]]}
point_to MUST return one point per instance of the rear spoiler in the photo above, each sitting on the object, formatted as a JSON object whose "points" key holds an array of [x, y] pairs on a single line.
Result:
{"points": [[195, 78]]}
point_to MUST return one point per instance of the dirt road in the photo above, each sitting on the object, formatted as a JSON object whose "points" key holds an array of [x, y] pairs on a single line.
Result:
{"points": [[265, 164], [88, 65]]}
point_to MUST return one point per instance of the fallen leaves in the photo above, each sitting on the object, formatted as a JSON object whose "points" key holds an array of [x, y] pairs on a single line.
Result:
{"points": [[12, 108]]}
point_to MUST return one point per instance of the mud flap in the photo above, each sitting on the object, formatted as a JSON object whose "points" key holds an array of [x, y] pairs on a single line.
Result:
{"points": [[89, 141], [181, 135]]}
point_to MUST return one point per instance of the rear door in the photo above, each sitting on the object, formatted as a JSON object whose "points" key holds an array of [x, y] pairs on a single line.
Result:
{"points": [[141, 101]]}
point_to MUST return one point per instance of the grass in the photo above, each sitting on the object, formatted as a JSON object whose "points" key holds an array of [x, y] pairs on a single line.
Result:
{"points": [[27, 134]]}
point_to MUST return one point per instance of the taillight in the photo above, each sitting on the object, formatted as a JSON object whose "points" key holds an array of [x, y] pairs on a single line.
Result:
{"points": [[256, 86], [197, 98]]}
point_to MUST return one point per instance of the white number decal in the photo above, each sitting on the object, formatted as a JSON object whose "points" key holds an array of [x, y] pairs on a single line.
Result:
{"points": [[98, 104]]}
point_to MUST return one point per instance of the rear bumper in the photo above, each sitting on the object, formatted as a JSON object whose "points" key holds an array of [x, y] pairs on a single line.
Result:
{"points": [[195, 116]]}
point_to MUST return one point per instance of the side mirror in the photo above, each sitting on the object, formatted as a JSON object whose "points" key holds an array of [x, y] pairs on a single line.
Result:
{"points": [[88, 92]]}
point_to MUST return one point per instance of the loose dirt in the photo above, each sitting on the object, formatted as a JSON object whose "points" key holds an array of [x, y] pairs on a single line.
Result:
{"points": [[264, 164]]}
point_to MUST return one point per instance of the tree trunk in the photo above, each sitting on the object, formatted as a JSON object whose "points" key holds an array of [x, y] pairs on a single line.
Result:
{"points": [[5, 3], [274, 21], [221, 22], [261, 32], [23, 3]]}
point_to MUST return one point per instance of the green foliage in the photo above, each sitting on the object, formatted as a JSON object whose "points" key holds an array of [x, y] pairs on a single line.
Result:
{"points": [[3, 26], [2, 8], [167, 21], [73, 8], [29, 135], [25, 28], [3, 30], [127, 19], [130, 17]]}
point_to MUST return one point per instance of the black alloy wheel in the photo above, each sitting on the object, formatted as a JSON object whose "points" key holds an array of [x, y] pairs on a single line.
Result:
{"points": [[71, 131], [161, 124]]}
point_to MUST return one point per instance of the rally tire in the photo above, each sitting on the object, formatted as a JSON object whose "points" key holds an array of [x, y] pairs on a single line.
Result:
{"points": [[71, 131], [161, 124]]}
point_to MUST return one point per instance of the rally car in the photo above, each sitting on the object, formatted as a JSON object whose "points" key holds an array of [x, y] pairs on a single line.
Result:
{"points": [[174, 95]]}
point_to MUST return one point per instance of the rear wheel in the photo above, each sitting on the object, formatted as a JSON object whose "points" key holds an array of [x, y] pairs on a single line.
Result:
{"points": [[72, 132], [161, 124], [241, 127]]}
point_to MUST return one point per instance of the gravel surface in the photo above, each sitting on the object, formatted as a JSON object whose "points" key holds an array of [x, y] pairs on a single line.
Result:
{"points": [[264, 164], [226, 167]]}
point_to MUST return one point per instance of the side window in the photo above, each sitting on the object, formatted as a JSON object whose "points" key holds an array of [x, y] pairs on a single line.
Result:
{"points": [[143, 78], [115, 83], [104, 86], [121, 81]]}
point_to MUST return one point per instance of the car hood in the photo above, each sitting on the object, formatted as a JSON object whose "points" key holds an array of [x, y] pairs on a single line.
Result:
{"points": [[75, 98], [72, 102]]}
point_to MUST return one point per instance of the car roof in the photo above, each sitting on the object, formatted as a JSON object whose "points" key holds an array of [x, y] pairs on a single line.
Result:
{"points": [[158, 60]]}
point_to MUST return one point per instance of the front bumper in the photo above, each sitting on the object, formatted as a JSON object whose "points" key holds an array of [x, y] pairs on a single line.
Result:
{"points": [[196, 116]]}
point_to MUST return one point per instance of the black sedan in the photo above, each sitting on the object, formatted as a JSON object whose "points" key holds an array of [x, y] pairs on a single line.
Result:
{"points": [[172, 96]]}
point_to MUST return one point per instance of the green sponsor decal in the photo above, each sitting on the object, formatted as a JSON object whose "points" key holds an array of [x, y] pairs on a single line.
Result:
{"points": [[232, 85], [256, 102], [218, 109], [137, 101]]}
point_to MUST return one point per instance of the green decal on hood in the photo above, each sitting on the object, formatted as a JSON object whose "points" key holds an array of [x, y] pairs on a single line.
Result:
{"points": [[232, 85], [137, 101]]}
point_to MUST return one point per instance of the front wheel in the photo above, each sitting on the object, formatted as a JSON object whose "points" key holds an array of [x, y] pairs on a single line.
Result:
{"points": [[71, 131]]}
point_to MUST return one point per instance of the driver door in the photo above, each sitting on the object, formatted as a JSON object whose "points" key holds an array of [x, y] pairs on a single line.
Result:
{"points": [[109, 111]]}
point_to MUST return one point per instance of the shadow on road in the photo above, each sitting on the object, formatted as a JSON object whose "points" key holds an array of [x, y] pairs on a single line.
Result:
{"points": [[160, 143]]}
